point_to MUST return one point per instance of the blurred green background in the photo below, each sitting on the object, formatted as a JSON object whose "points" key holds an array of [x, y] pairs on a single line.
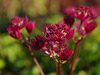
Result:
{"points": [[15, 58]]}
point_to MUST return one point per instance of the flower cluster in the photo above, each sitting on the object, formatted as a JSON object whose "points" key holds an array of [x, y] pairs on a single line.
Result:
{"points": [[16, 24], [58, 33], [86, 17], [55, 41], [57, 36], [82, 12]]}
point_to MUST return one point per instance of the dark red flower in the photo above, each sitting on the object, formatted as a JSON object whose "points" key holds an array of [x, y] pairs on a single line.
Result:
{"points": [[14, 33], [95, 12], [65, 54], [82, 12], [30, 27], [18, 23], [89, 27], [69, 20], [38, 43], [58, 33]]}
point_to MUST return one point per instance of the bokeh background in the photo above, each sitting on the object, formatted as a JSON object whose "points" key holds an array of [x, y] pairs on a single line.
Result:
{"points": [[15, 58]]}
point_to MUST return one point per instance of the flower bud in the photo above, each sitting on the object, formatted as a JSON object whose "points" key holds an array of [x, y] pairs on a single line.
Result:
{"points": [[89, 27], [69, 20], [38, 43], [30, 27], [65, 54], [15, 34]]}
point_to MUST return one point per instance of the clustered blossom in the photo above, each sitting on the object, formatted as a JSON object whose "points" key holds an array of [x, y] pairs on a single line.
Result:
{"points": [[82, 12], [56, 37], [86, 17], [58, 33], [16, 24], [54, 42]]}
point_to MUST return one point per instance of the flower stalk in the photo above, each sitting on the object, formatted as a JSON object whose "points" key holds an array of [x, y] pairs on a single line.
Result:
{"points": [[32, 54], [35, 60], [59, 69], [75, 55], [56, 66]]}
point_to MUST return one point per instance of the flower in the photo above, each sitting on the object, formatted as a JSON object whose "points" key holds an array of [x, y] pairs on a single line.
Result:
{"points": [[69, 20], [89, 27], [38, 43], [14, 33], [95, 12], [82, 12], [18, 23], [15, 25], [70, 11], [30, 27], [58, 33], [65, 54]]}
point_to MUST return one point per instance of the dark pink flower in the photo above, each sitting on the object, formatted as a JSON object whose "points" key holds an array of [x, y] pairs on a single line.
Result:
{"points": [[70, 11], [69, 20], [70, 35], [18, 23], [65, 54], [14, 33], [58, 33], [38, 43], [95, 12], [89, 27], [30, 27], [82, 12]]}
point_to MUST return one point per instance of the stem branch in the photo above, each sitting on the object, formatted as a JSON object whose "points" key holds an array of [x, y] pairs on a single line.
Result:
{"points": [[35, 60], [32, 54], [59, 69], [75, 55]]}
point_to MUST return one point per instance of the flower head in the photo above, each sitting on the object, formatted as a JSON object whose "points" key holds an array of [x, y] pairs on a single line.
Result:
{"points": [[58, 33], [14, 33], [30, 27], [89, 27], [65, 54], [69, 20], [82, 12], [95, 12], [18, 23], [57, 37], [38, 43]]}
